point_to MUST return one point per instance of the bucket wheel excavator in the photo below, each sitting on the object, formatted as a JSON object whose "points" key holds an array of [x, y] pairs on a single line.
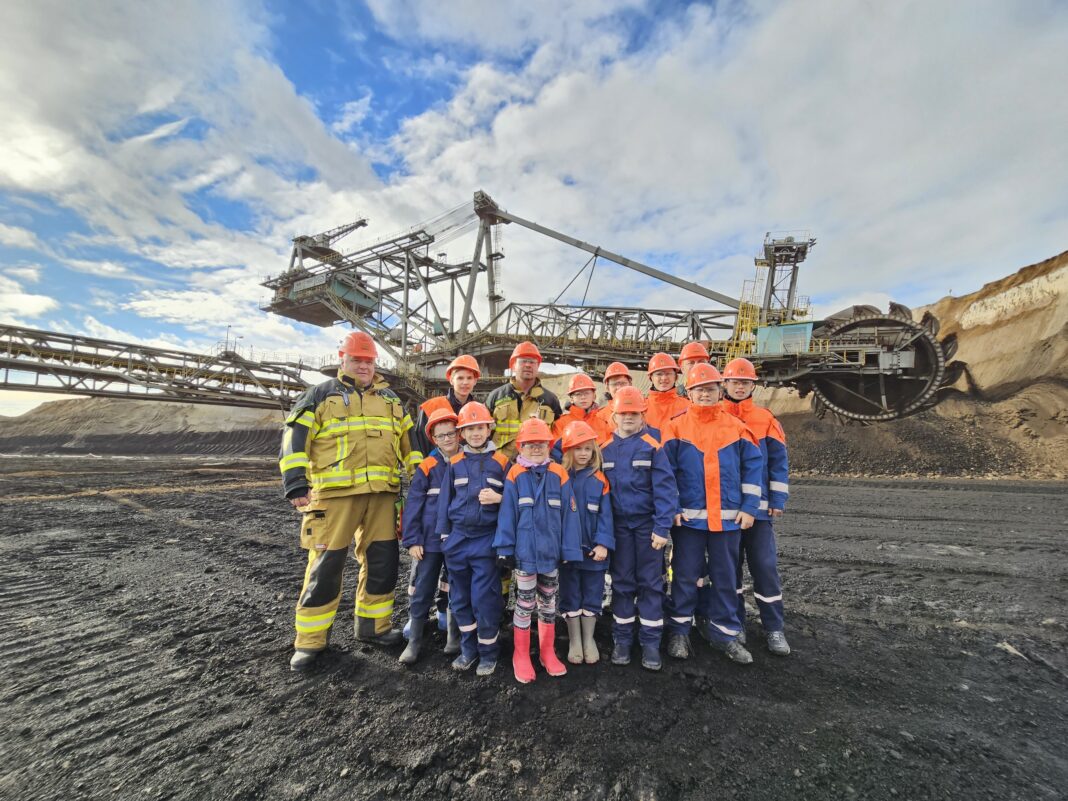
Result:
{"points": [[860, 365]]}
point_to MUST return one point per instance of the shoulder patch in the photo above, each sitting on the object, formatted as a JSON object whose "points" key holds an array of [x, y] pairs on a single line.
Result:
{"points": [[603, 479], [501, 459], [456, 458], [428, 464], [516, 470], [650, 439]]}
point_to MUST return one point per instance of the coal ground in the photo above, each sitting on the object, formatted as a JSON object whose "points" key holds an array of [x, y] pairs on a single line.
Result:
{"points": [[147, 629]]}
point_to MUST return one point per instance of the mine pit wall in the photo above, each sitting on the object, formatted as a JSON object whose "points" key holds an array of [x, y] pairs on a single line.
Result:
{"points": [[253, 442]]}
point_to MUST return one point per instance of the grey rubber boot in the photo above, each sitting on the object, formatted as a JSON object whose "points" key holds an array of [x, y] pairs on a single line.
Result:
{"points": [[415, 641], [452, 643], [678, 646], [302, 660], [574, 640], [589, 646]]}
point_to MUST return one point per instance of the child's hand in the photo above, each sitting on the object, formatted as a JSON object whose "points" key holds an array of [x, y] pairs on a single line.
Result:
{"points": [[599, 553], [744, 520], [416, 552], [678, 520], [659, 542], [775, 512], [488, 496]]}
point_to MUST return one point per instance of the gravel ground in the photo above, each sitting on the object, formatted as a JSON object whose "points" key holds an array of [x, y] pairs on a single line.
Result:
{"points": [[148, 628]]}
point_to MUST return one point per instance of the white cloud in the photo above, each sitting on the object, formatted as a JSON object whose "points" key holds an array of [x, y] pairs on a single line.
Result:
{"points": [[31, 273], [352, 114], [16, 304], [17, 237]]}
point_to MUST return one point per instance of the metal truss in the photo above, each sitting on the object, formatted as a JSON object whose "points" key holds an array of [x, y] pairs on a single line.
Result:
{"points": [[45, 361]]}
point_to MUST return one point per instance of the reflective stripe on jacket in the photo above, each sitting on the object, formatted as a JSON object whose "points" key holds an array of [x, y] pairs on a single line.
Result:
{"points": [[510, 408], [717, 465], [339, 440], [539, 522], [470, 472], [775, 484], [421, 507], [642, 483]]}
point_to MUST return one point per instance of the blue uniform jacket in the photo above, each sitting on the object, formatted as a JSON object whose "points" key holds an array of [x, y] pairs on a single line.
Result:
{"points": [[775, 488], [718, 466], [459, 512], [539, 522], [643, 491], [595, 514], [421, 505]]}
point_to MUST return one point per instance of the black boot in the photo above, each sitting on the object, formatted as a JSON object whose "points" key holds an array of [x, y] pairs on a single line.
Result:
{"points": [[365, 632], [415, 641], [452, 642]]}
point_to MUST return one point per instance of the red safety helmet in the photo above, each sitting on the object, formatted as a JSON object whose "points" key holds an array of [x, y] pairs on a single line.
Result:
{"points": [[662, 361], [463, 362], [740, 368], [579, 382], [616, 369], [576, 433], [629, 399], [358, 344], [439, 416], [534, 430], [473, 413], [693, 350], [524, 350], [702, 374]]}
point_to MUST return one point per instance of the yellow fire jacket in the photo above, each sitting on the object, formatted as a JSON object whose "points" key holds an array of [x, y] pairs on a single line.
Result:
{"points": [[339, 440], [510, 408]]}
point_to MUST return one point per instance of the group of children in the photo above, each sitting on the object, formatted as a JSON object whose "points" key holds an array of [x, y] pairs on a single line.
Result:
{"points": [[605, 491]]}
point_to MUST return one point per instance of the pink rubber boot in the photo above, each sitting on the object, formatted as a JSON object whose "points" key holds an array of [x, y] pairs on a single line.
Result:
{"points": [[524, 671], [547, 650]]}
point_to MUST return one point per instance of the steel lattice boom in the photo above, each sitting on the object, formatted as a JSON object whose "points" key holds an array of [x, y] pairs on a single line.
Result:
{"points": [[46, 361]]}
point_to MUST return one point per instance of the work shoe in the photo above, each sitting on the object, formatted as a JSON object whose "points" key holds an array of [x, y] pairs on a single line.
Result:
{"points": [[521, 665], [574, 640], [365, 632], [452, 641], [735, 652], [777, 643], [621, 653], [547, 650], [302, 660], [678, 646], [486, 667], [415, 642], [464, 662], [589, 647], [651, 657]]}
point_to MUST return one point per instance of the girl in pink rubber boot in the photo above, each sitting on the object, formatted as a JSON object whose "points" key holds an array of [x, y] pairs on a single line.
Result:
{"points": [[538, 528]]}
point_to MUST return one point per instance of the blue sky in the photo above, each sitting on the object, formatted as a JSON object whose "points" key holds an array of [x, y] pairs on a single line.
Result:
{"points": [[159, 158]]}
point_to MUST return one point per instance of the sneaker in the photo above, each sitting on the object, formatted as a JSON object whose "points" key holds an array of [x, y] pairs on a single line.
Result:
{"points": [[464, 662], [735, 652], [621, 653], [302, 660], [485, 667], [678, 646], [651, 657], [777, 643]]}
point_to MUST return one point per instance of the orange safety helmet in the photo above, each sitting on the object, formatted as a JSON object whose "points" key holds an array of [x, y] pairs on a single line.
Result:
{"points": [[693, 350], [439, 416], [534, 430], [702, 374], [662, 361], [740, 368], [473, 413], [628, 399], [576, 433], [579, 382], [463, 362], [358, 344], [616, 369], [524, 350]]}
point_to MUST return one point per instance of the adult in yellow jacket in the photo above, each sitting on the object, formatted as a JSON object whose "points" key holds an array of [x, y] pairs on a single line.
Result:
{"points": [[345, 444]]}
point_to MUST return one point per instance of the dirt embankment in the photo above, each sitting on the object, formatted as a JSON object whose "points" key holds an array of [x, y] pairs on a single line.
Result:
{"points": [[104, 426]]}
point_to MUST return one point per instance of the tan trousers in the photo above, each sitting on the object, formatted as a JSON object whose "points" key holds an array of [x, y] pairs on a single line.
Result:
{"points": [[329, 526]]}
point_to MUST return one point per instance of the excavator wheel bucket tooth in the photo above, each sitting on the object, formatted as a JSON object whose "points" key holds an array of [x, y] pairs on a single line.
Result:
{"points": [[930, 322], [900, 311], [954, 372], [949, 346]]}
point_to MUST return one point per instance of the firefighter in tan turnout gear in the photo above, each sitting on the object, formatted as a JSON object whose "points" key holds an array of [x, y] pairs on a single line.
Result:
{"points": [[521, 398], [343, 450]]}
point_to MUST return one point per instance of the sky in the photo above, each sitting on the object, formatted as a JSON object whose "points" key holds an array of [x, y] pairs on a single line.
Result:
{"points": [[156, 159]]}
